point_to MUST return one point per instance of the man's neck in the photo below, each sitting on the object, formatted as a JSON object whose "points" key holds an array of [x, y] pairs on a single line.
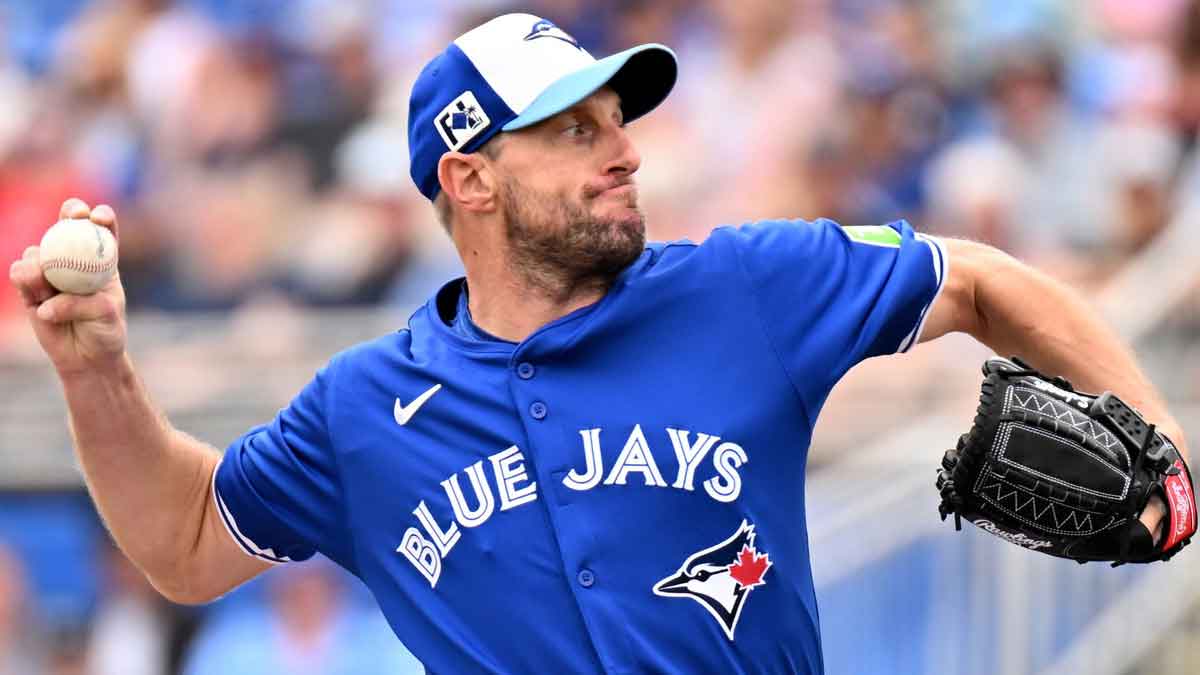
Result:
{"points": [[510, 298], [512, 310]]}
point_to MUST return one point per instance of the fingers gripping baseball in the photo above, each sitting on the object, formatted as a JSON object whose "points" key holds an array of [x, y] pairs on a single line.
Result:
{"points": [[26, 276], [85, 327], [103, 215], [64, 308]]}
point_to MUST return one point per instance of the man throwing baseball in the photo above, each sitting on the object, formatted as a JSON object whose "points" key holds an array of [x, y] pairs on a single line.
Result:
{"points": [[589, 454]]}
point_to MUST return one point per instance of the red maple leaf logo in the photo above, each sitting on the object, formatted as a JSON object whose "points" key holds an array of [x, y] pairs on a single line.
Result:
{"points": [[750, 567]]}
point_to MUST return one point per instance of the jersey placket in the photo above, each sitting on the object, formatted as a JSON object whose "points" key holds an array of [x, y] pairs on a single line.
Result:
{"points": [[530, 381]]}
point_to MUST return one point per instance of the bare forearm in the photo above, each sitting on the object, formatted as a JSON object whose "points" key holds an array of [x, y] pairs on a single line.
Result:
{"points": [[1025, 312], [148, 480]]}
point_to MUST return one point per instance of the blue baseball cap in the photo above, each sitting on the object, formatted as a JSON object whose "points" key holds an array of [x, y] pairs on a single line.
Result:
{"points": [[512, 72]]}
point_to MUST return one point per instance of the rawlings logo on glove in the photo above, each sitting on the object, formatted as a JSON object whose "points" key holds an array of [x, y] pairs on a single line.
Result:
{"points": [[1067, 473], [1018, 538]]}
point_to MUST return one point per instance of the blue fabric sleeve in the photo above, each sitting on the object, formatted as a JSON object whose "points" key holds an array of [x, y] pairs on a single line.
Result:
{"points": [[278, 488], [831, 296]]}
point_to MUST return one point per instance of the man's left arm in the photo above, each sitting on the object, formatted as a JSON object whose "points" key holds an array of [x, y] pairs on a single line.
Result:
{"points": [[1015, 309]]}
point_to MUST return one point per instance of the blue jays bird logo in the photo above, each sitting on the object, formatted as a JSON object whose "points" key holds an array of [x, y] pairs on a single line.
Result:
{"points": [[721, 577], [547, 29]]}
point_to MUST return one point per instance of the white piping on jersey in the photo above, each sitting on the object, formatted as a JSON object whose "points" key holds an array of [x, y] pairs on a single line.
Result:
{"points": [[245, 543], [941, 269]]}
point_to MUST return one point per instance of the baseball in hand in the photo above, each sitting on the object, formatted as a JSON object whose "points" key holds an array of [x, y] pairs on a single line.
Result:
{"points": [[78, 256]]}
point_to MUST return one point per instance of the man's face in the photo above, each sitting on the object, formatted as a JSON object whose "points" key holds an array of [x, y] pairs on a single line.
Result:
{"points": [[568, 195]]}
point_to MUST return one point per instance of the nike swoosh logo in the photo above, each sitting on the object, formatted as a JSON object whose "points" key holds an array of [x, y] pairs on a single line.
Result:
{"points": [[404, 413]]}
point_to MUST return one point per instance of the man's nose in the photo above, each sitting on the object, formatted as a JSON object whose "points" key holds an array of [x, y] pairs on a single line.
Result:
{"points": [[625, 158]]}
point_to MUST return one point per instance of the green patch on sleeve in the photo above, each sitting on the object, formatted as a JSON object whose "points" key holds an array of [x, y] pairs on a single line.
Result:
{"points": [[876, 235]]}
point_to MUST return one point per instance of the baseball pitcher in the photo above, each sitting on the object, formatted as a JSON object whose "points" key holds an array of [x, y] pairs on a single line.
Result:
{"points": [[588, 455]]}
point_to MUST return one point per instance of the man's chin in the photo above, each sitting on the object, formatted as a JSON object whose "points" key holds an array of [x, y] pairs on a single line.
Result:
{"points": [[621, 217]]}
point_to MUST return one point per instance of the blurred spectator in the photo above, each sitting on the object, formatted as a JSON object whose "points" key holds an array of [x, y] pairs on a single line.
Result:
{"points": [[1044, 150], [975, 189], [36, 170], [21, 651], [326, 94], [1185, 103], [164, 62], [225, 249], [129, 633], [896, 103], [739, 110], [307, 626], [1139, 160]]}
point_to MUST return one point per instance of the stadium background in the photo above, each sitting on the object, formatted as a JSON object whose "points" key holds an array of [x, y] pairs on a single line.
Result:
{"points": [[255, 152]]}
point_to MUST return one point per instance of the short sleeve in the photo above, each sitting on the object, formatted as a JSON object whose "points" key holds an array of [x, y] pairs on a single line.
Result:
{"points": [[831, 296], [278, 488]]}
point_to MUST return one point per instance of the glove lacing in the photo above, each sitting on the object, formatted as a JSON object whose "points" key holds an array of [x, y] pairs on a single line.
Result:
{"points": [[1127, 536]]}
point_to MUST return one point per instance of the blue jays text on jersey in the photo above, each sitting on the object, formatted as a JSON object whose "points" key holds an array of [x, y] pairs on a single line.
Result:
{"points": [[426, 549], [622, 491]]}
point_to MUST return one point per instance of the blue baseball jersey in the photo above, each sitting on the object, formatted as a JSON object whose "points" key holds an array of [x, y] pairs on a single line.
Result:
{"points": [[622, 491]]}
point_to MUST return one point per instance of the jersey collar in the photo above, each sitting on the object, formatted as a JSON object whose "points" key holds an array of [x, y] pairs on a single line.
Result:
{"points": [[441, 310]]}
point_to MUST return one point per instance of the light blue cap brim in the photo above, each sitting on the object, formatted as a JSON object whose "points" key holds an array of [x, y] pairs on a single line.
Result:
{"points": [[642, 76]]}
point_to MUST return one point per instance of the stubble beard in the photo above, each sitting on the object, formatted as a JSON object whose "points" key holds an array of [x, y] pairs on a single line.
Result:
{"points": [[558, 246]]}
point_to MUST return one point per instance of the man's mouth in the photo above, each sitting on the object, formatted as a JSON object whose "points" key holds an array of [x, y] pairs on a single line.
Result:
{"points": [[620, 190]]}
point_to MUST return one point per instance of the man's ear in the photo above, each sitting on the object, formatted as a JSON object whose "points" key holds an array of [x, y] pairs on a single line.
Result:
{"points": [[468, 181]]}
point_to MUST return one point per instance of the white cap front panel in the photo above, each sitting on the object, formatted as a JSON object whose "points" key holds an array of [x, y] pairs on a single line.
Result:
{"points": [[520, 55]]}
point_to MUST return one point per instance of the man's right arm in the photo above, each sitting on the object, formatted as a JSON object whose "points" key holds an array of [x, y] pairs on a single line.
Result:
{"points": [[151, 483]]}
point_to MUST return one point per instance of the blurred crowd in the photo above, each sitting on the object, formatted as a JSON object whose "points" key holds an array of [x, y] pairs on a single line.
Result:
{"points": [[256, 149], [256, 154], [306, 619]]}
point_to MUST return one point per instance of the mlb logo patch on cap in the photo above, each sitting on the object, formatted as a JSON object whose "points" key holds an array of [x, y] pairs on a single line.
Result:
{"points": [[512, 72], [461, 120]]}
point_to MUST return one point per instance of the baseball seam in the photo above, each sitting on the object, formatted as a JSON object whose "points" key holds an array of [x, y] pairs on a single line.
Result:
{"points": [[78, 264]]}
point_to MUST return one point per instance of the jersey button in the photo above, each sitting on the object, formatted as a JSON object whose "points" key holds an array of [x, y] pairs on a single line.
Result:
{"points": [[538, 410], [525, 370], [586, 578]]}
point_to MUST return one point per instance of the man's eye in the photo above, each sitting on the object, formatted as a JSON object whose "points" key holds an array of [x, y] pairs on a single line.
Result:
{"points": [[576, 130]]}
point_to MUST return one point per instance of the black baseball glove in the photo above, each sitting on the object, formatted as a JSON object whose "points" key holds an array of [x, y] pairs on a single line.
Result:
{"points": [[1065, 473]]}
